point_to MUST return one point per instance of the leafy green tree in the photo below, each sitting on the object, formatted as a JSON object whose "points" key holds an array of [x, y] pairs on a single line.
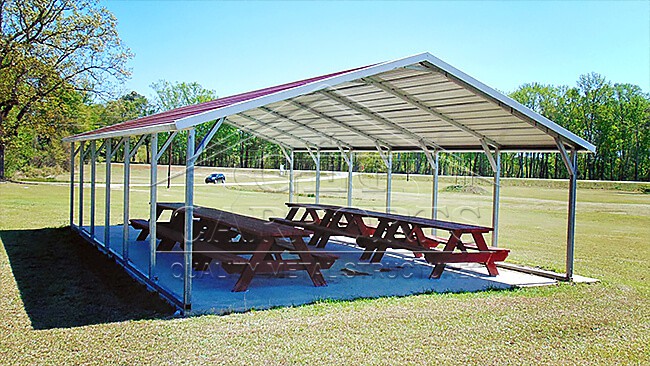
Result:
{"points": [[48, 50]]}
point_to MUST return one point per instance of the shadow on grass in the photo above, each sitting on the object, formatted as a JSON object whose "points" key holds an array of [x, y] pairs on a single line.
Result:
{"points": [[65, 282]]}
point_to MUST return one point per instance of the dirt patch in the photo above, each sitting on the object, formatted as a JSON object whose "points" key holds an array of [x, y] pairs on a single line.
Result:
{"points": [[466, 189]]}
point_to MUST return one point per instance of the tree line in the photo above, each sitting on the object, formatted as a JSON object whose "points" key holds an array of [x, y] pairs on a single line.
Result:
{"points": [[59, 62]]}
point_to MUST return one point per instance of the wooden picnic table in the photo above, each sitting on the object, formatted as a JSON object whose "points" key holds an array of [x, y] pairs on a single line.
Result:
{"points": [[396, 231], [242, 244]]}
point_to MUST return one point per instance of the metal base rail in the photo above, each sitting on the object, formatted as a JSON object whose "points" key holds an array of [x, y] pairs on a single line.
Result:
{"points": [[134, 272]]}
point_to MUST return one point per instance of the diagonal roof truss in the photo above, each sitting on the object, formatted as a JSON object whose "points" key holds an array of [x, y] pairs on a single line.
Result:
{"points": [[404, 105]]}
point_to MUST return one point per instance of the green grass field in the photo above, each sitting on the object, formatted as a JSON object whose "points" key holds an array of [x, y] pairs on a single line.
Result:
{"points": [[64, 303]]}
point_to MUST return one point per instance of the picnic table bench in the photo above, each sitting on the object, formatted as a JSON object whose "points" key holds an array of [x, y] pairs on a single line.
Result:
{"points": [[241, 244], [397, 232]]}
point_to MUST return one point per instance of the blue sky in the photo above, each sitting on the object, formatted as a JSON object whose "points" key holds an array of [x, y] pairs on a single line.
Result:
{"points": [[234, 47]]}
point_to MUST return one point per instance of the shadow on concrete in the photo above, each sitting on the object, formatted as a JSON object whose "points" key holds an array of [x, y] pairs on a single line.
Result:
{"points": [[65, 282]]}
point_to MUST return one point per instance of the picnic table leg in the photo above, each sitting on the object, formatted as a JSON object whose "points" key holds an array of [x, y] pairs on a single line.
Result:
{"points": [[249, 270], [176, 222], [380, 250], [314, 215], [323, 238], [145, 232], [143, 235], [292, 213], [482, 245], [450, 246], [312, 267], [316, 236], [379, 231], [329, 220]]}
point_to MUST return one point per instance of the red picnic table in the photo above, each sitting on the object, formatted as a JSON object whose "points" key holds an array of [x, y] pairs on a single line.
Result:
{"points": [[242, 244], [398, 232]]}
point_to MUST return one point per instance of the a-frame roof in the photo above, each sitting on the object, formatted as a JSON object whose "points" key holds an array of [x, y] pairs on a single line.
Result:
{"points": [[404, 105]]}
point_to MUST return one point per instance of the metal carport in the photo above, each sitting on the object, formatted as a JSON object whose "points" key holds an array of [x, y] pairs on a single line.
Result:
{"points": [[418, 103]]}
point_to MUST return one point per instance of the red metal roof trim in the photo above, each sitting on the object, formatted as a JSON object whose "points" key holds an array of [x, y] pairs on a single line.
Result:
{"points": [[172, 115]]}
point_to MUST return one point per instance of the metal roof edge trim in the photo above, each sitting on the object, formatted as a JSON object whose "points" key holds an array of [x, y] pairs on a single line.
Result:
{"points": [[122, 133], [536, 117]]}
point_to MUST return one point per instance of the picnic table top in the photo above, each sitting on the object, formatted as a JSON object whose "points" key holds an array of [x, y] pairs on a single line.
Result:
{"points": [[245, 224], [420, 221]]}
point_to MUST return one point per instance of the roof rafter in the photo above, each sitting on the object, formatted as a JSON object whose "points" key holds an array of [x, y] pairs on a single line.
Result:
{"points": [[313, 130], [375, 116], [281, 131], [255, 133], [339, 123], [401, 94]]}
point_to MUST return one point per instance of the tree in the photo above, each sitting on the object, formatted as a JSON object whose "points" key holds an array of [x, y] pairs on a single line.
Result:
{"points": [[49, 49]]}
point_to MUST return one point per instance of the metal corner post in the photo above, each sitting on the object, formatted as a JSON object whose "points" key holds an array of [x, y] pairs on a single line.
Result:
{"points": [[127, 178], [571, 163], [93, 182], [81, 185], [153, 198], [189, 216], [571, 225], [107, 196], [72, 155]]}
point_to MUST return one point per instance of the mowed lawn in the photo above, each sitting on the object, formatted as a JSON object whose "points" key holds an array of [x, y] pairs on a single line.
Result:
{"points": [[64, 303]]}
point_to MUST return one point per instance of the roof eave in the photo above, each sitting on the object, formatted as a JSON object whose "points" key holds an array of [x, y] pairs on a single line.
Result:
{"points": [[122, 133]]}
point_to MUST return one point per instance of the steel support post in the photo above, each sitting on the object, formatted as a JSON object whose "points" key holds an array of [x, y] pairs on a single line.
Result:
{"points": [[127, 178], [291, 176], [189, 216], [350, 161], [93, 181], [496, 189], [571, 163], [72, 155], [389, 180], [434, 162], [81, 185], [107, 196], [571, 226], [317, 193], [153, 198]]}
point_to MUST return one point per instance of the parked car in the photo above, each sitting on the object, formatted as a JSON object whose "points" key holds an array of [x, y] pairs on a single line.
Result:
{"points": [[215, 178]]}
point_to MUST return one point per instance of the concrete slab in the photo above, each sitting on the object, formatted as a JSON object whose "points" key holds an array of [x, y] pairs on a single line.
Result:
{"points": [[398, 274]]}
